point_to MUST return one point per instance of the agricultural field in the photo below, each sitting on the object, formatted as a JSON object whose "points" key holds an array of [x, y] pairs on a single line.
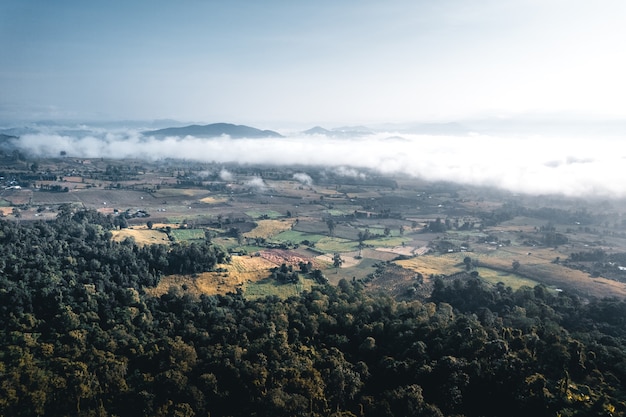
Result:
{"points": [[188, 234], [413, 227], [264, 214], [269, 287], [269, 228], [143, 236]]}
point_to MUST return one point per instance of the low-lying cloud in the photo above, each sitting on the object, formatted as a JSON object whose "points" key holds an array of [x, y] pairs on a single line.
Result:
{"points": [[533, 164], [303, 178]]}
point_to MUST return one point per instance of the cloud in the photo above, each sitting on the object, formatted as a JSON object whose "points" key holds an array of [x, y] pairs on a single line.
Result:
{"points": [[226, 175], [303, 178], [343, 171], [572, 166], [256, 183]]}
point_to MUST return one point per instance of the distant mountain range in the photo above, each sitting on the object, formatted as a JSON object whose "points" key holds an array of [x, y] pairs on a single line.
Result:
{"points": [[214, 130], [348, 131]]}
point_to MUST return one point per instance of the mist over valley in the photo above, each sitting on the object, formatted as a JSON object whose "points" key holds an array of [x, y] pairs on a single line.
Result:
{"points": [[575, 162]]}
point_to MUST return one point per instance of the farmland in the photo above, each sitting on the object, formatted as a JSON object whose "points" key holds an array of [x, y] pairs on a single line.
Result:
{"points": [[401, 226]]}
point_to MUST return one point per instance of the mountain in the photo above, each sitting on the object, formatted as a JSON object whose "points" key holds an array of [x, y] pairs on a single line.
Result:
{"points": [[318, 130], [347, 131], [214, 130]]}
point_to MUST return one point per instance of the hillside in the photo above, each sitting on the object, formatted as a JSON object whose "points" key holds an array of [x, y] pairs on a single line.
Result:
{"points": [[85, 331], [214, 130]]}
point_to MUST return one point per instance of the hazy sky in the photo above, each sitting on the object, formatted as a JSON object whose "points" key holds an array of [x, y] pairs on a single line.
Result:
{"points": [[269, 62]]}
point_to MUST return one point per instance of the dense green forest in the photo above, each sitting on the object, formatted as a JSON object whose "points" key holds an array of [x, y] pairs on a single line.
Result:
{"points": [[81, 338]]}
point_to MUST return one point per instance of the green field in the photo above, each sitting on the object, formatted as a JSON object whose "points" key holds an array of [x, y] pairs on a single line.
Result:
{"points": [[509, 279], [297, 237], [187, 234], [261, 214], [360, 271], [185, 219], [335, 244], [388, 242], [268, 287]]}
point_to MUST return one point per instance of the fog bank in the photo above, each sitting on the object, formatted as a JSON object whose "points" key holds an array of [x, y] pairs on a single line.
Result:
{"points": [[532, 164]]}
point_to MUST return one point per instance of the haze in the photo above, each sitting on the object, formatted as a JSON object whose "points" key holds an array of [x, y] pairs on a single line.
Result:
{"points": [[295, 65], [263, 63], [567, 166]]}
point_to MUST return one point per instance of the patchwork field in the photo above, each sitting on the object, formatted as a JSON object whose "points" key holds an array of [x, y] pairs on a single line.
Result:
{"points": [[324, 217]]}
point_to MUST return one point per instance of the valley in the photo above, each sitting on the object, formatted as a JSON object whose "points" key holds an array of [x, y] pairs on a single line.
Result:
{"points": [[394, 234]]}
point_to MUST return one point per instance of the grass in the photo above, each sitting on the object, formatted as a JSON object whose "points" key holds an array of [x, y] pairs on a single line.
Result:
{"points": [[335, 244], [297, 237], [268, 287], [188, 234], [141, 236], [180, 192], [4, 203], [214, 200], [509, 279], [183, 219], [269, 228], [241, 269], [434, 264], [259, 214], [388, 241], [359, 271]]}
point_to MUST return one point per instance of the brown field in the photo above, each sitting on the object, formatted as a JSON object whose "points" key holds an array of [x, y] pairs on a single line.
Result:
{"points": [[242, 269], [268, 228], [18, 197], [349, 259], [141, 236], [539, 266], [214, 200], [434, 264]]}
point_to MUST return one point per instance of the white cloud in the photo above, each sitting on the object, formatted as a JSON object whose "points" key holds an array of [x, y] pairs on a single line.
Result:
{"points": [[532, 164], [303, 178], [256, 183], [226, 175]]}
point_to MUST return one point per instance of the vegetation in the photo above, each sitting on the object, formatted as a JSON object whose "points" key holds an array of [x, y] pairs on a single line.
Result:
{"points": [[80, 336]]}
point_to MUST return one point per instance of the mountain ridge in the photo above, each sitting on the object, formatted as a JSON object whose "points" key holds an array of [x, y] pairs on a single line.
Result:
{"points": [[214, 130]]}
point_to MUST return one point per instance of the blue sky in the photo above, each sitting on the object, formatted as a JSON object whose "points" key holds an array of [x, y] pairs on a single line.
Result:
{"points": [[324, 62]]}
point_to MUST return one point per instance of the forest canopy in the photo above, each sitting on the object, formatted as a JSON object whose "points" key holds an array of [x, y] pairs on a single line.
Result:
{"points": [[80, 336]]}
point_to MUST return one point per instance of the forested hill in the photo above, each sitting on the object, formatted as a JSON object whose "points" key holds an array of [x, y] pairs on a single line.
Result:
{"points": [[214, 130], [79, 337]]}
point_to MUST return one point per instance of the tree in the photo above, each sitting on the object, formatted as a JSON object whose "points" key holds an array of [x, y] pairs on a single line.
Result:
{"points": [[468, 263], [515, 265], [150, 224], [331, 226], [337, 261]]}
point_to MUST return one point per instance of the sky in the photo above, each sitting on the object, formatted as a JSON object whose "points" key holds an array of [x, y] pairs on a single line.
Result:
{"points": [[277, 62]]}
